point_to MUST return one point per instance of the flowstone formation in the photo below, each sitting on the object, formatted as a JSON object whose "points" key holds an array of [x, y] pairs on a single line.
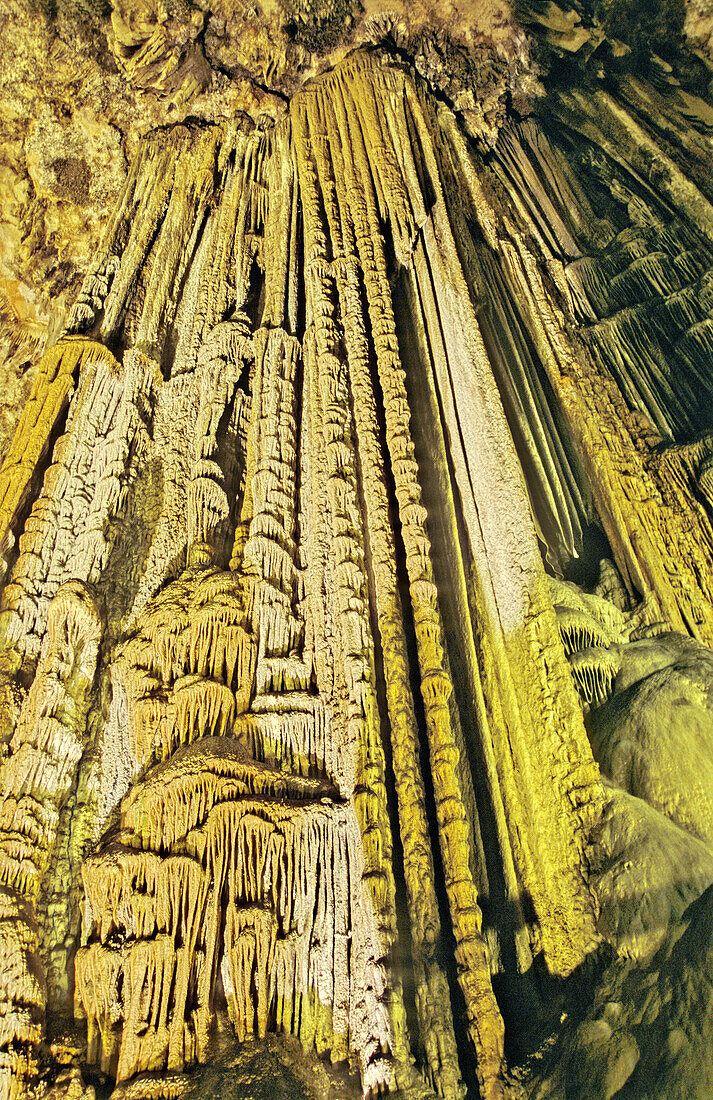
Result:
{"points": [[305, 733]]}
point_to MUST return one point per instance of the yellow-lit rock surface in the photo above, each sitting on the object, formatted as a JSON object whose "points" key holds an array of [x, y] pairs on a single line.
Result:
{"points": [[356, 547]]}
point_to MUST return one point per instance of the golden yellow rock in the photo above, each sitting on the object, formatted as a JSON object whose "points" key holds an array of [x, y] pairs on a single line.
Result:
{"points": [[293, 713]]}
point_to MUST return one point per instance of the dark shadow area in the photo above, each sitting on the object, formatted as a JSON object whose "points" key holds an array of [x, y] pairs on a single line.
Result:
{"points": [[129, 534]]}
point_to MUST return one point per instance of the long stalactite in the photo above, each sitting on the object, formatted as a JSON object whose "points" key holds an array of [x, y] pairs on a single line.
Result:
{"points": [[289, 696]]}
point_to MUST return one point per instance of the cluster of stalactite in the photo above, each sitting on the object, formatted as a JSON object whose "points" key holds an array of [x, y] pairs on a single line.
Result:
{"points": [[275, 605], [626, 236]]}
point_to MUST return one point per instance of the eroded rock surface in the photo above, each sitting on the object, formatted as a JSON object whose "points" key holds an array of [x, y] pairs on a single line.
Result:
{"points": [[388, 323], [654, 737]]}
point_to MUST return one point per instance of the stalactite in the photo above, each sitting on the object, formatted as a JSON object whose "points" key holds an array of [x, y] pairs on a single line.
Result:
{"points": [[277, 657], [37, 779], [54, 385], [639, 509], [403, 203], [433, 1003], [328, 381]]}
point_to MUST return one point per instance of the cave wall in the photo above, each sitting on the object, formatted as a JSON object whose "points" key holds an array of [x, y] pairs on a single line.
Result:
{"points": [[294, 670]]}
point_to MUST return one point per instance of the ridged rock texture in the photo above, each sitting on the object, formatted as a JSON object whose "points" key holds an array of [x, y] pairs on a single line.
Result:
{"points": [[293, 687]]}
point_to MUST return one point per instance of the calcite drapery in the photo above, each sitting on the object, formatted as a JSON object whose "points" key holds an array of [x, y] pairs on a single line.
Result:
{"points": [[632, 264], [37, 780], [321, 681], [284, 653]]}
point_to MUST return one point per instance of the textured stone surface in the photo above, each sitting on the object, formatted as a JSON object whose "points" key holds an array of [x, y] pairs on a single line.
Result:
{"points": [[648, 1032], [383, 318], [647, 872], [654, 737]]}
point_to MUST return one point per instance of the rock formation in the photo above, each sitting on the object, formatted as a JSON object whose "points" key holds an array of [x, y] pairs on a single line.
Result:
{"points": [[358, 563]]}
